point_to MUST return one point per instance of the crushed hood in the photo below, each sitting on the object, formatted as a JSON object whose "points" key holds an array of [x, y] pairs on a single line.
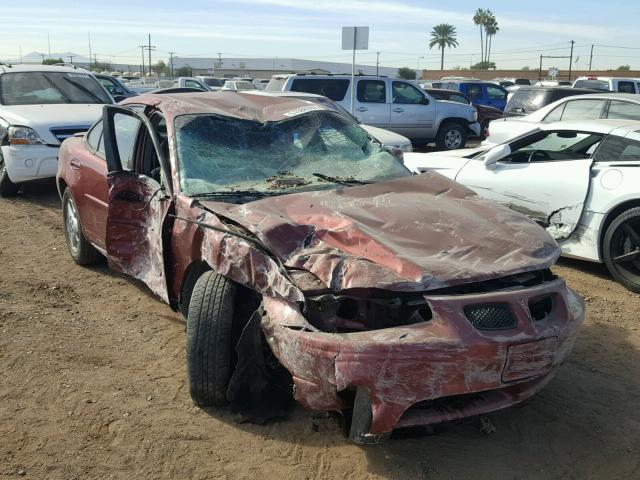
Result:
{"points": [[413, 234]]}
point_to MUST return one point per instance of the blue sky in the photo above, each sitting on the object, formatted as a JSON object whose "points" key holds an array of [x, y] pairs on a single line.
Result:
{"points": [[311, 29]]}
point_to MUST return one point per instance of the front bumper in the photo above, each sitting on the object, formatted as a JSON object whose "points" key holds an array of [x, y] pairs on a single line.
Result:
{"points": [[429, 372], [30, 162], [475, 128]]}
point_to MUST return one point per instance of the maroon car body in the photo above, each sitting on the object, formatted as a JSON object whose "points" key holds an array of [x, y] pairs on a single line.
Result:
{"points": [[339, 272]]}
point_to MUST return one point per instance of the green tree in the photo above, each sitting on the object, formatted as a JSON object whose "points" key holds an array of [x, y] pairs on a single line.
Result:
{"points": [[490, 28], [479, 19], [624, 68], [443, 36], [406, 73], [525, 68], [161, 68], [101, 66], [52, 61], [184, 72], [484, 66]]}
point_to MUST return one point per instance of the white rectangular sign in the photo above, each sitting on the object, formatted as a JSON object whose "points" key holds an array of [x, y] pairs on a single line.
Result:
{"points": [[355, 38]]}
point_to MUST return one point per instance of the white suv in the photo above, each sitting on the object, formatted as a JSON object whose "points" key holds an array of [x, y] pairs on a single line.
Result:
{"points": [[40, 106]]}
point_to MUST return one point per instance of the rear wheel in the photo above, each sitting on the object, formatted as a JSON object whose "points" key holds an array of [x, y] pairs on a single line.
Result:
{"points": [[622, 249], [82, 252], [451, 136], [7, 187]]}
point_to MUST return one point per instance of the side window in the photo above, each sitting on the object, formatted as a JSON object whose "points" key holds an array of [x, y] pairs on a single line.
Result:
{"points": [[495, 93], [626, 87], [110, 86], [372, 91], [624, 110], [126, 133], [554, 146], [94, 136], [474, 92], [614, 148], [407, 94], [333, 88], [459, 99], [555, 115], [192, 84], [583, 109]]}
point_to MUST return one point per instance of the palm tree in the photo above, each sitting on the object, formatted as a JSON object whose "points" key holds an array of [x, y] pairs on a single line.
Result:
{"points": [[479, 19], [491, 28], [443, 35]]}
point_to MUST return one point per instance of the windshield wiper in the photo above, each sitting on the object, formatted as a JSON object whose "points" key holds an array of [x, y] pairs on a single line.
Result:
{"points": [[236, 193], [85, 90], [348, 182]]}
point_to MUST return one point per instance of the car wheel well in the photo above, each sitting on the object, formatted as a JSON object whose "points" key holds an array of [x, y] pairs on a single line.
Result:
{"points": [[610, 217], [461, 121]]}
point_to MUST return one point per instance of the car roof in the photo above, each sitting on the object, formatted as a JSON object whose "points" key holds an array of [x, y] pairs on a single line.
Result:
{"points": [[228, 103], [39, 68], [605, 126]]}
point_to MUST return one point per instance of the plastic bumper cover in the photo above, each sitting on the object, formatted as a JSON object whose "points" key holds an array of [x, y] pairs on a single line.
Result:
{"points": [[30, 162]]}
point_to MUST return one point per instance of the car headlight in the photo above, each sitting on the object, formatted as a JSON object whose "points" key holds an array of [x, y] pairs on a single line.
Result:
{"points": [[24, 136]]}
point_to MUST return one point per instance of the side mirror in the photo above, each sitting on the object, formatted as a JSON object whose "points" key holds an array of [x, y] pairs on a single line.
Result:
{"points": [[495, 154]]}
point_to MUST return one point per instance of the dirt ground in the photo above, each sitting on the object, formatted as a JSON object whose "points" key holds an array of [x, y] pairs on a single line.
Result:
{"points": [[93, 386]]}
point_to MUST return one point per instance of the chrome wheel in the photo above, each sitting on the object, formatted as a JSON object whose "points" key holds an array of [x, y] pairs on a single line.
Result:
{"points": [[625, 249], [452, 139], [72, 225]]}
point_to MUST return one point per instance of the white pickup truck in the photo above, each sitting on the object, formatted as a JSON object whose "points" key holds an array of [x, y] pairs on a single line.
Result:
{"points": [[611, 84]]}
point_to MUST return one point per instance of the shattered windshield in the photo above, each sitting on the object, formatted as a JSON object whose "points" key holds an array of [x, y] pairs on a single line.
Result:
{"points": [[312, 151]]}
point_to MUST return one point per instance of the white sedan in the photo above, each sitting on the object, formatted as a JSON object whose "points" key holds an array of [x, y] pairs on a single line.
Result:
{"points": [[579, 180], [616, 106]]}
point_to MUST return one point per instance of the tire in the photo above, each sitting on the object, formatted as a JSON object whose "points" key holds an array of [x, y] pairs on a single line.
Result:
{"points": [[82, 252], [7, 187], [210, 335], [621, 249], [451, 136]]}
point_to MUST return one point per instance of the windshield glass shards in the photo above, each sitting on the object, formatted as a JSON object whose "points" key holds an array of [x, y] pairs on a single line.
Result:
{"points": [[317, 150]]}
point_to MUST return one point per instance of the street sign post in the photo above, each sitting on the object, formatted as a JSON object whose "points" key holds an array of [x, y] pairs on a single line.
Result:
{"points": [[354, 38]]}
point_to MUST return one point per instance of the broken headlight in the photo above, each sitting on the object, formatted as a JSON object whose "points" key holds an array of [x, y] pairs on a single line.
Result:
{"points": [[351, 313]]}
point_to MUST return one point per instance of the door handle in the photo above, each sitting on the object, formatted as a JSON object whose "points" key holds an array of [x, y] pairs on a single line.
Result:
{"points": [[398, 110], [361, 109], [75, 163]]}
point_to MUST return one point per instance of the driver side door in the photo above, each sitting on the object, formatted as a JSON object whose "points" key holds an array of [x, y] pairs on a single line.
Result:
{"points": [[546, 177], [138, 204]]}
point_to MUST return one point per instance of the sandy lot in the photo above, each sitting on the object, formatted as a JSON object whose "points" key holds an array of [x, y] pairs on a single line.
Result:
{"points": [[93, 386]]}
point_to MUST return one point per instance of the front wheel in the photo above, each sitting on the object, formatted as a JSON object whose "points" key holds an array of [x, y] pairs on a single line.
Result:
{"points": [[7, 187], [622, 249], [451, 136]]}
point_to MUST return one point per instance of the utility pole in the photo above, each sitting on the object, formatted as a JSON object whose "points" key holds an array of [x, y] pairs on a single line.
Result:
{"points": [[377, 62], [142, 49], [571, 59], [591, 57], [219, 60], [171, 62], [150, 47], [49, 44], [70, 57], [89, 33], [540, 70]]}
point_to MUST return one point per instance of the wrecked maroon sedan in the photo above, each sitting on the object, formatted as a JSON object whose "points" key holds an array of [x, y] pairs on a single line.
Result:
{"points": [[309, 262]]}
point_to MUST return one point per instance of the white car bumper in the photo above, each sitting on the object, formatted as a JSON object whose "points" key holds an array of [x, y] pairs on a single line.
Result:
{"points": [[30, 162], [475, 128]]}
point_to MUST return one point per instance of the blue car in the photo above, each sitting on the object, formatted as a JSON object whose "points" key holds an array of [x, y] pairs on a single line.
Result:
{"points": [[480, 93]]}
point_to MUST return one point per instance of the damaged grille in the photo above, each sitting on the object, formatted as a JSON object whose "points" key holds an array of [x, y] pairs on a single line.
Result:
{"points": [[62, 133], [490, 316]]}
